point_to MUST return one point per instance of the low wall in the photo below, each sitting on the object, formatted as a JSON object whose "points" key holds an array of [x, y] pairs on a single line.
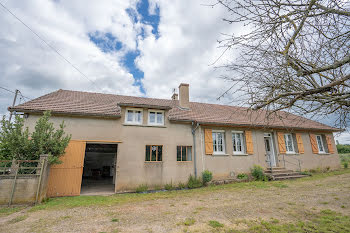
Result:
{"points": [[26, 187]]}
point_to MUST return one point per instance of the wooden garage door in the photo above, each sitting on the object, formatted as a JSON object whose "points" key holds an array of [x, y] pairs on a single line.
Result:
{"points": [[65, 178]]}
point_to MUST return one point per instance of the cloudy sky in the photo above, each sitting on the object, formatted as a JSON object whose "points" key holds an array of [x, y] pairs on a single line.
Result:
{"points": [[129, 47]]}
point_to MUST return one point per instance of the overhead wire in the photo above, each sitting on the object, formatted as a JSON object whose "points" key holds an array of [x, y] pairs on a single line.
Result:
{"points": [[50, 46]]}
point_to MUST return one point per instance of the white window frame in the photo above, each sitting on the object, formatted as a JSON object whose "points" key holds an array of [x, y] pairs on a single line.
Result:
{"points": [[133, 122], [223, 143], [243, 151], [286, 141], [318, 146], [156, 111]]}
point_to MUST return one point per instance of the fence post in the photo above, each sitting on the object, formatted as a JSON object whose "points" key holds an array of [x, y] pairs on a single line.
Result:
{"points": [[42, 165], [14, 169]]}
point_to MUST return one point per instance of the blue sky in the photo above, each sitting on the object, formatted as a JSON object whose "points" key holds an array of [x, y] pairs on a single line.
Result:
{"points": [[109, 43]]}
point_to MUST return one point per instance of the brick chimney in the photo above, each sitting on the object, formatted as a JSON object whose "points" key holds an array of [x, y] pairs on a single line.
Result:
{"points": [[184, 100]]}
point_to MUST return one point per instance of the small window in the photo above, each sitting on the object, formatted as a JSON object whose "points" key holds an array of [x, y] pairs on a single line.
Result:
{"points": [[219, 142], [238, 142], [320, 144], [133, 116], [154, 153], [184, 153], [288, 139], [155, 117]]}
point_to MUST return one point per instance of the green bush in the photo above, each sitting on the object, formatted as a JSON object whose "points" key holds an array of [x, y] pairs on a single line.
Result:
{"points": [[346, 165], [142, 188], [207, 176], [17, 143], [169, 186], [258, 173], [343, 149], [194, 182], [242, 176]]}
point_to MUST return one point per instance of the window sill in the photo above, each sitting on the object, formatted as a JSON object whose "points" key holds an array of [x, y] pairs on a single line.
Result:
{"points": [[292, 154], [155, 126], [153, 162], [239, 154], [220, 155], [325, 153]]}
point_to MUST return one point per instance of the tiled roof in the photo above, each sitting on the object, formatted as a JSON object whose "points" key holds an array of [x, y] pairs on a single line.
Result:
{"points": [[107, 105]]}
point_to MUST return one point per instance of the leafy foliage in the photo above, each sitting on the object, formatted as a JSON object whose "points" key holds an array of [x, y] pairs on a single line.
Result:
{"points": [[194, 182], [17, 143], [169, 186], [242, 176], [207, 176], [343, 149], [258, 173]]}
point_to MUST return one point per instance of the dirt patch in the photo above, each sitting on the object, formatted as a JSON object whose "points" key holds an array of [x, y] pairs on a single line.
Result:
{"points": [[281, 201]]}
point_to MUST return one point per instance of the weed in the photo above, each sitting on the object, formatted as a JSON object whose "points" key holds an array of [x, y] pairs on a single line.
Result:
{"points": [[346, 165], [115, 220], [169, 186], [194, 182], [142, 188], [324, 203], [258, 173], [242, 176], [18, 219], [9, 210], [280, 185], [181, 185], [207, 176], [215, 224], [189, 221]]}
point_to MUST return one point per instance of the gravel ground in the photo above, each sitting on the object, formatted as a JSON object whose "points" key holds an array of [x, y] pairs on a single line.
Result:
{"points": [[286, 201]]}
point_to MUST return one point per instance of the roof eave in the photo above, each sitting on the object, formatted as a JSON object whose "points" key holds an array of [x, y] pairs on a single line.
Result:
{"points": [[144, 106], [65, 113], [257, 126]]}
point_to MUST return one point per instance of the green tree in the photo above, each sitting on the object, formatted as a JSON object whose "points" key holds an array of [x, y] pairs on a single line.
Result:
{"points": [[17, 143]]}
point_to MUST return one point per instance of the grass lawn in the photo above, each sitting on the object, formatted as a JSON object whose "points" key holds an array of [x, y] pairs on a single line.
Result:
{"points": [[320, 203]]}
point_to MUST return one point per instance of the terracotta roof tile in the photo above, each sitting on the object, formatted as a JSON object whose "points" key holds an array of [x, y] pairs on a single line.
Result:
{"points": [[106, 105]]}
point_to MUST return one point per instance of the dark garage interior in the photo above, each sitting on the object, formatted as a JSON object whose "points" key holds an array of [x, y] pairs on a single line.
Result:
{"points": [[99, 169]]}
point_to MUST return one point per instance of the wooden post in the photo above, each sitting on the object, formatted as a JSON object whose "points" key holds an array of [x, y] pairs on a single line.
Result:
{"points": [[16, 167]]}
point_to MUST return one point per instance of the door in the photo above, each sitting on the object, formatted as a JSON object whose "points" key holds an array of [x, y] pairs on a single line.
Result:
{"points": [[65, 178], [271, 158]]}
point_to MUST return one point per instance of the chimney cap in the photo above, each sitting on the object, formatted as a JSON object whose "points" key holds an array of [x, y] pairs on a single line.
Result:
{"points": [[184, 84]]}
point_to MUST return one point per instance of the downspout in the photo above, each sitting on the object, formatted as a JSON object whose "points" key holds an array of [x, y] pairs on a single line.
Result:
{"points": [[194, 128]]}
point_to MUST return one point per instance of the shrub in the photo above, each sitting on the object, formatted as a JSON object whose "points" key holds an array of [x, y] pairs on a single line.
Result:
{"points": [[194, 182], [343, 149], [258, 173], [142, 188], [169, 186], [242, 176], [207, 176], [17, 143], [181, 185], [346, 164]]}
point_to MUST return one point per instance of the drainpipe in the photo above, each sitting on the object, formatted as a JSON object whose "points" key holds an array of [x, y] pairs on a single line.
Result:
{"points": [[194, 128]]}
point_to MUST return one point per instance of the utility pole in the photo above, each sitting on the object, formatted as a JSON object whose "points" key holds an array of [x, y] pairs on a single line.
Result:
{"points": [[13, 104]]}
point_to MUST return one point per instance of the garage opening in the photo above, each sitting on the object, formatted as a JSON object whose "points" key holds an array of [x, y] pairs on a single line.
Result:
{"points": [[99, 169]]}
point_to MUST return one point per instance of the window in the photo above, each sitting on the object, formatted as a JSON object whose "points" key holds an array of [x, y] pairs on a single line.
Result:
{"points": [[320, 144], [218, 142], [288, 139], [154, 153], [133, 116], [238, 142], [184, 153], [155, 117]]}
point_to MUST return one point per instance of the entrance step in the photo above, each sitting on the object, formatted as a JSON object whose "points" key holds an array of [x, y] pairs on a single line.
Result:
{"points": [[281, 173]]}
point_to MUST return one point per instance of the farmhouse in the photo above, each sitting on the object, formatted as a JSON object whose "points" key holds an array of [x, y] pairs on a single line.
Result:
{"points": [[121, 142]]}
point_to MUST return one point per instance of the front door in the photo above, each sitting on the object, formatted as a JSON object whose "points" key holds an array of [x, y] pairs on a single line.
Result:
{"points": [[270, 155]]}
